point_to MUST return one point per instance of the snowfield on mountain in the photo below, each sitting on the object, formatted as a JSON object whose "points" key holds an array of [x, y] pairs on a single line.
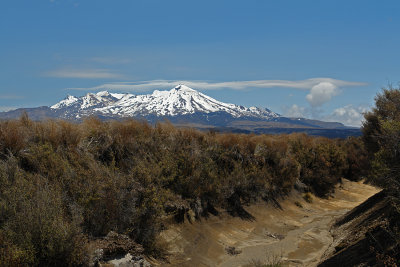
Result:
{"points": [[180, 100], [183, 107]]}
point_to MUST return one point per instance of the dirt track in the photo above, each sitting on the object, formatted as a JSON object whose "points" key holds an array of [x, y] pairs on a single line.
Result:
{"points": [[299, 235]]}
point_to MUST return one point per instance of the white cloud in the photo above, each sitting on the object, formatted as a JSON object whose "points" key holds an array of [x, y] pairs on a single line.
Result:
{"points": [[142, 86], [322, 93], [348, 115], [83, 74], [296, 111]]}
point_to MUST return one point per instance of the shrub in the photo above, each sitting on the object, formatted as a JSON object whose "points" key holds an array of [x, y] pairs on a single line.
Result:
{"points": [[298, 204], [381, 136], [62, 182]]}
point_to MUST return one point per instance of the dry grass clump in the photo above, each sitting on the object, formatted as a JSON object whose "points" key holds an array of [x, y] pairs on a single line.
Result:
{"points": [[308, 197], [272, 260]]}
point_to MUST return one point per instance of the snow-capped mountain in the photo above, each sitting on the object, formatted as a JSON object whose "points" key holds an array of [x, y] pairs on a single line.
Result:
{"points": [[179, 101], [182, 106]]}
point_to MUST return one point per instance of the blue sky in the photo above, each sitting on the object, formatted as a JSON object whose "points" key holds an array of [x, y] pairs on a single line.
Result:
{"points": [[318, 59]]}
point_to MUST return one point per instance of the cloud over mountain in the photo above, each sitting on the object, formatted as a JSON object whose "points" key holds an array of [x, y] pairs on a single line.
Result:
{"points": [[321, 90], [349, 115], [141, 86], [322, 93], [83, 74]]}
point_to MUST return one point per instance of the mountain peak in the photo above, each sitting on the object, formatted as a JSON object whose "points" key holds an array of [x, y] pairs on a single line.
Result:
{"points": [[103, 93], [180, 100], [69, 100], [182, 87]]}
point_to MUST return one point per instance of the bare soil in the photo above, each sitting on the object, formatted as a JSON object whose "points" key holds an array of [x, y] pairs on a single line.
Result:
{"points": [[298, 233]]}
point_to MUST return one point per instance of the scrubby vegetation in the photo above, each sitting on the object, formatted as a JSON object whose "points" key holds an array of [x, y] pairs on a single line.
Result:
{"points": [[381, 135], [62, 184]]}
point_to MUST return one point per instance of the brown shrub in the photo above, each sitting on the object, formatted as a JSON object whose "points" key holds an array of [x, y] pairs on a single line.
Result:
{"points": [[61, 181]]}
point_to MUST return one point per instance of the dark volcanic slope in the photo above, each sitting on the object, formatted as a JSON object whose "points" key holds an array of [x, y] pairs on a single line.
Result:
{"points": [[366, 236], [39, 113]]}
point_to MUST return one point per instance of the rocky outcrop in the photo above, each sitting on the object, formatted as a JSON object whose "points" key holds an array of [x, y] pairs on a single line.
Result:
{"points": [[301, 187], [178, 208], [117, 250], [129, 261], [195, 210]]}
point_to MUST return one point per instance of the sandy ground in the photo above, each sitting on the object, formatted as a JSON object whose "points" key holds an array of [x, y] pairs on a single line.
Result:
{"points": [[297, 235]]}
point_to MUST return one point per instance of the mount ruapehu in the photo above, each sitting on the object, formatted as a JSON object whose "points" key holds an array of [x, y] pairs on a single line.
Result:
{"points": [[184, 107]]}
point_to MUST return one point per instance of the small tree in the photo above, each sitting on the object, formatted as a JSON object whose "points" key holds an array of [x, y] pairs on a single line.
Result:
{"points": [[381, 135]]}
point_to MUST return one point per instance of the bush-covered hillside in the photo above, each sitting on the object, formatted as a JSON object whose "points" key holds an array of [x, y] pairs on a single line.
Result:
{"points": [[369, 235], [62, 184]]}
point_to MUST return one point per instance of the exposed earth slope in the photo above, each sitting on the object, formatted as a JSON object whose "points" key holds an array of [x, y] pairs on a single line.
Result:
{"points": [[366, 236], [300, 235]]}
